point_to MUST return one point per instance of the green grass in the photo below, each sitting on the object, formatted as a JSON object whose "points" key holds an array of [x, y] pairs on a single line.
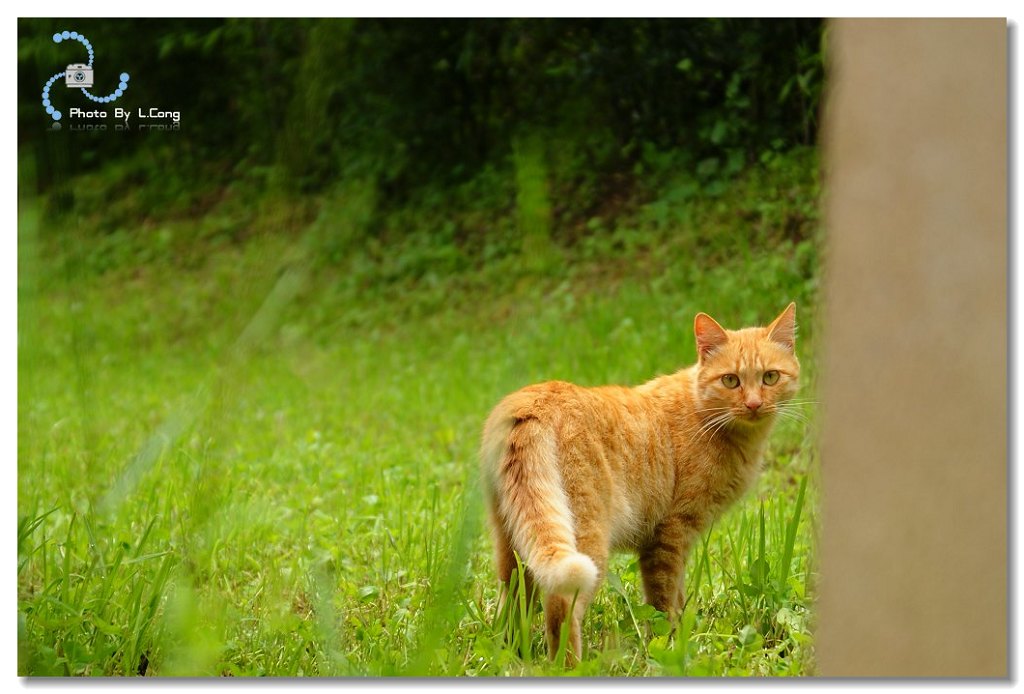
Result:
{"points": [[254, 463]]}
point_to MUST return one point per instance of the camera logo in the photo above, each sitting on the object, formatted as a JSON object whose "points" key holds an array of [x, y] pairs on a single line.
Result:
{"points": [[79, 76]]}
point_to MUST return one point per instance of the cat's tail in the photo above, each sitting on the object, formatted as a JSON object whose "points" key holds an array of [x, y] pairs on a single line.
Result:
{"points": [[526, 483]]}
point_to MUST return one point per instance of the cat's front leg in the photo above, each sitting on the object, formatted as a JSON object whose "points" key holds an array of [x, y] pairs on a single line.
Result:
{"points": [[663, 561]]}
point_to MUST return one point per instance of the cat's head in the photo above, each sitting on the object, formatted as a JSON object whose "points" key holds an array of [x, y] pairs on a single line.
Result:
{"points": [[746, 376]]}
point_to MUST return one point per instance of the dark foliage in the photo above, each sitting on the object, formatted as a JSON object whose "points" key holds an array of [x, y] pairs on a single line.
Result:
{"points": [[410, 102]]}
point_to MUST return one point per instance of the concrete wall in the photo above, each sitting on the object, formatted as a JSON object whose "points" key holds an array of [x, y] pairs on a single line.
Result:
{"points": [[914, 452]]}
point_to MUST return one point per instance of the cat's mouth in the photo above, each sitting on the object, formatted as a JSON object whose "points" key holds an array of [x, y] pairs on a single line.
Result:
{"points": [[755, 416]]}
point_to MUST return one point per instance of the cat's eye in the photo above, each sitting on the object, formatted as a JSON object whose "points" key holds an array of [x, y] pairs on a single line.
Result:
{"points": [[770, 378], [730, 380]]}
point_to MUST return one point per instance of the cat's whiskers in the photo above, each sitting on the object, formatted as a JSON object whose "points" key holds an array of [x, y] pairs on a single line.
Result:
{"points": [[790, 416], [711, 426], [720, 427], [706, 420], [714, 423], [791, 406], [788, 412], [721, 416], [707, 414], [707, 424], [788, 409]]}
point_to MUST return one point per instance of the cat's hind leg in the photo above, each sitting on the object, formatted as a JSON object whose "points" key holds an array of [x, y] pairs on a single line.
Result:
{"points": [[594, 544], [556, 614], [663, 562], [505, 563]]}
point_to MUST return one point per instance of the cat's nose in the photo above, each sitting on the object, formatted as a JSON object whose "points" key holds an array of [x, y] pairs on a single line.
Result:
{"points": [[752, 405]]}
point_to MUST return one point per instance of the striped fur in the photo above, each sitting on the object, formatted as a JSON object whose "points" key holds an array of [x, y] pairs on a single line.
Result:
{"points": [[533, 506], [572, 474]]}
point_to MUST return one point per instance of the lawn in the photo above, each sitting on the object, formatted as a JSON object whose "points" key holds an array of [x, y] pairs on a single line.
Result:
{"points": [[237, 459]]}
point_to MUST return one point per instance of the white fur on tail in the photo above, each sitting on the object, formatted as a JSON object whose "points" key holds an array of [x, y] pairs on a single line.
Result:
{"points": [[522, 470]]}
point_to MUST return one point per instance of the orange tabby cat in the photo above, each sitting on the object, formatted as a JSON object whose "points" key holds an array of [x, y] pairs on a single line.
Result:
{"points": [[572, 473]]}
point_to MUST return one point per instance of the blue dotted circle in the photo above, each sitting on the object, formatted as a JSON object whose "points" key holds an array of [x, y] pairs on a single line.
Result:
{"points": [[122, 86]]}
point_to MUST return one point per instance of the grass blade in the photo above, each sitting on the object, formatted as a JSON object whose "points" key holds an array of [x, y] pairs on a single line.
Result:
{"points": [[791, 528]]}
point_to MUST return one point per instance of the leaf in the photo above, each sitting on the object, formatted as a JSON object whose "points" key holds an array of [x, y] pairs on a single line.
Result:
{"points": [[715, 188], [658, 648], [735, 161], [645, 611], [105, 627], [616, 584], [747, 589], [748, 635], [789, 619], [786, 88], [719, 132], [760, 570], [661, 626], [791, 528], [707, 167]]}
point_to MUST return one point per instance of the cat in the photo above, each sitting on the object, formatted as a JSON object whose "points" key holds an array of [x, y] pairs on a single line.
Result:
{"points": [[572, 473]]}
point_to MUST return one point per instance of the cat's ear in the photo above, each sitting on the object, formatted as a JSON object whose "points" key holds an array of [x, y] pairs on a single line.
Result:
{"points": [[710, 335], [783, 329]]}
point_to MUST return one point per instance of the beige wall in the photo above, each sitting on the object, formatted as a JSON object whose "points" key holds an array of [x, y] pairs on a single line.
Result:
{"points": [[914, 455]]}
